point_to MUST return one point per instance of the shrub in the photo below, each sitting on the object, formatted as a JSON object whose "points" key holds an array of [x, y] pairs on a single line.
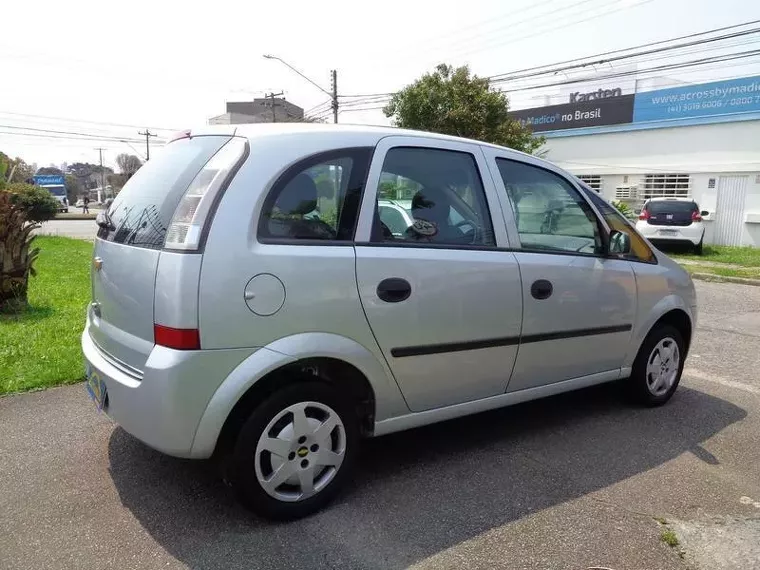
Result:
{"points": [[624, 209], [22, 208], [37, 203]]}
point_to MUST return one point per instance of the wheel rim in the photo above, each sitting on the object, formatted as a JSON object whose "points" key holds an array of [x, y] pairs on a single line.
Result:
{"points": [[300, 451], [662, 366]]}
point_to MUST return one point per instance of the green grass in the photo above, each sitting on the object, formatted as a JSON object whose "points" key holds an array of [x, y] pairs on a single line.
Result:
{"points": [[745, 272], [40, 347], [745, 256], [669, 537]]}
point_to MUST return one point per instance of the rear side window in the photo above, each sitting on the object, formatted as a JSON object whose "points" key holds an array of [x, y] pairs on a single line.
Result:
{"points": [[448, 204], [142, 211], [317, 199]]}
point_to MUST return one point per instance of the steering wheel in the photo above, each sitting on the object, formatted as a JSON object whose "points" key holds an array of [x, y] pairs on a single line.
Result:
{"points": [[474, 230]]}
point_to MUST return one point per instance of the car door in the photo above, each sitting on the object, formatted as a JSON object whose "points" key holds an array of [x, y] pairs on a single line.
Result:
{"points": [[579, 304], [444, 303]]}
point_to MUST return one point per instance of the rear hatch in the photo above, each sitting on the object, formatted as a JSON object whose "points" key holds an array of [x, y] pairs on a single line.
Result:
{"points": [[128, 246], [671, 213]]}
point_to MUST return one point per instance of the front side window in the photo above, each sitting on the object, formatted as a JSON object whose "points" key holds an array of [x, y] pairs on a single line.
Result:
{"points": [[317, 199], [640, 251], [549, 212], [447, 203]]}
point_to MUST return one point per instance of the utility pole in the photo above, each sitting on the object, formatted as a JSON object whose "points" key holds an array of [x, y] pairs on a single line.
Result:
{"points": [[147, 134], [102, 174], [334, 82], [272, 96]]}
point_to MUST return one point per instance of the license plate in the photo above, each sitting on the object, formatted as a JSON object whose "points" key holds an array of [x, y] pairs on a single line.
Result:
{"points": [[669, 232], [96, 388]]}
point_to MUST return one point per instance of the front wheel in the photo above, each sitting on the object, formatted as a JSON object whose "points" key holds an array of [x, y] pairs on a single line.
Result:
{"points": [[658, 366], [295, 451]]}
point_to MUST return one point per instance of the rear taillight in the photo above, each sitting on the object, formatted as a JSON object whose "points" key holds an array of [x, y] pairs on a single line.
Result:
{"points": [[181, 339], [185, 229], [695, 217], [644, 215]]}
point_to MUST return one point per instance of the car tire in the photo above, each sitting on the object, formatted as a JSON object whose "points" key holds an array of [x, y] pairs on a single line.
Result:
{"points": [[655, 375], [698, 247], [316, 450]]}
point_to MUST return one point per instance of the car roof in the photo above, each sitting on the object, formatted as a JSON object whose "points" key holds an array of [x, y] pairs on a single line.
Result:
{"points": [[374, 133]]}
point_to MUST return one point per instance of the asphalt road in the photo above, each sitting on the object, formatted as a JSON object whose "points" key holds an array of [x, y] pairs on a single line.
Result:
{"points": [[82, 229], [571, 482]]}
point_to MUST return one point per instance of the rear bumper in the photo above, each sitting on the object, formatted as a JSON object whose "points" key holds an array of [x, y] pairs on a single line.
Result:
{"points": [[674, 234], [163, 409]]}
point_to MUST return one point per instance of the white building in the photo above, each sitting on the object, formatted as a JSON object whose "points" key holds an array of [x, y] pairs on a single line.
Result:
{"points": [[696, 141]]}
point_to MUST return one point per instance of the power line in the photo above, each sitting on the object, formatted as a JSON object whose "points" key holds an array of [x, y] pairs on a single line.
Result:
{"points": [[693, 63], [63, 137], [512, 40], [510, 77], [83, 121], [552, 68], [646, 45], [90, 135], [513, 26]]}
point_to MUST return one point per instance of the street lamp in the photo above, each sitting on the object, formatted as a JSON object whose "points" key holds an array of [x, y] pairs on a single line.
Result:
{"points": [[333, 95]]}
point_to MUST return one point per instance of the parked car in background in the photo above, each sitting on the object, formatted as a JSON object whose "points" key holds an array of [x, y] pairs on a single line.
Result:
{"points": [[238, 311], [672, 221], [395, 216]]}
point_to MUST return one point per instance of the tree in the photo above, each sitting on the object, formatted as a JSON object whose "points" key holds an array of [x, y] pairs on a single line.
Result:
{"points": [[14, 169], [73, 188], [50, 170], [87, 174], [453, 102], [128, 164], [22, 208]]}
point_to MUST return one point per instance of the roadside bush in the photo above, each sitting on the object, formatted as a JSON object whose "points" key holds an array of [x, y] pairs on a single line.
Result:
{"points": [[624, 209], [22, 208], [37, 203]]}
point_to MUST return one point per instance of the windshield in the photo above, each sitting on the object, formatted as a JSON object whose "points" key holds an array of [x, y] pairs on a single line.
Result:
{"points": [[671, 207], [143, 210], [57, 190]]}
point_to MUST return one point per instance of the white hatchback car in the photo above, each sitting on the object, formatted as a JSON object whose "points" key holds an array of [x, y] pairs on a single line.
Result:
{"points": [[672, 220], [249, 301]]}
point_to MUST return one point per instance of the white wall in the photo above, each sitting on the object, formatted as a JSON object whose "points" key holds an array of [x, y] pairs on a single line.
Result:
{"points": [[724, 147], [703, 151]]}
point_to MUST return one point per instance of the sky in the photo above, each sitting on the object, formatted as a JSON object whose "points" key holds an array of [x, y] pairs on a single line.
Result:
{"points": [[103, 68]]}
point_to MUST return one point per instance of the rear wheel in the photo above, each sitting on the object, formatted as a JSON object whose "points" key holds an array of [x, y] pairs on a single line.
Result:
{"points": [[698, 247], [658, 366], [295, 451]]}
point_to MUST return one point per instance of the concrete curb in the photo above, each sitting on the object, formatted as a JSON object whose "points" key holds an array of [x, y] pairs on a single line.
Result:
{"points": [[65, 217], [724, 279]]}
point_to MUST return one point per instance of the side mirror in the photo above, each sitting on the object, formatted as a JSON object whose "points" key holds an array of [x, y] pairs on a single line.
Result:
{"points": [[704, 213], [620, 243]]}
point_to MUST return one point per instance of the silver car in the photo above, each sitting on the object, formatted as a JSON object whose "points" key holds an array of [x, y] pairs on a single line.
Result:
{"points": [[250, 303]]}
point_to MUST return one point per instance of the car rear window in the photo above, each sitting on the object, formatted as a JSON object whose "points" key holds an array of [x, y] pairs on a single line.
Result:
{"points": [[142, 211], [671, 207]]}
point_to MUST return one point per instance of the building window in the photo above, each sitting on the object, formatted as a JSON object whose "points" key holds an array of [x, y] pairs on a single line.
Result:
{"points": [[626, 193], [665, 186], [593, 181]]}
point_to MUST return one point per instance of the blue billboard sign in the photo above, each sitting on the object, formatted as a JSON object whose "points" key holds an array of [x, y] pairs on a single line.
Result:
{"points": [[49, 180], [703, 100]]}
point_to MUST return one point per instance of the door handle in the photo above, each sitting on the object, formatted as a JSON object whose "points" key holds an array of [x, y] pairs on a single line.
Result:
{"points": [[541, 289], [394, 290]]}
